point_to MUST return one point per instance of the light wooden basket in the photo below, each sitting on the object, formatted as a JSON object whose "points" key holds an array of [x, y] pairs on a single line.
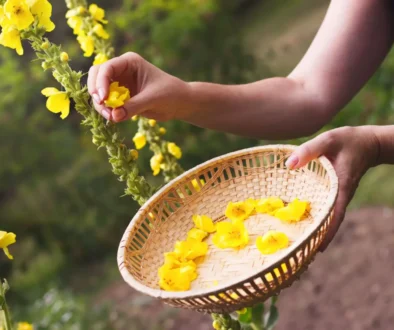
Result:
{"points": [[229, 280]]}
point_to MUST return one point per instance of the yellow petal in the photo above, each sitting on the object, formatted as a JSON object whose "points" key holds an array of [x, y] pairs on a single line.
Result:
{"points": [[97, 13], [189, 250], [43, 10], [18, 13], [293, 212], [59, 103], [204, 223], [196, 234], [139, 140], [10, 37], [49, 91], [100, 31], [239, 211], [174, 150], [271, 242], [231, 235], [269, 205], [118, 95], [100, 59]]}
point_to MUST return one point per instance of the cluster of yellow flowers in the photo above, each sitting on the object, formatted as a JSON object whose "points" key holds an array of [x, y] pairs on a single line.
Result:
{"points": [[16, 16], [158, 160], [180, 267], [88, 25]]}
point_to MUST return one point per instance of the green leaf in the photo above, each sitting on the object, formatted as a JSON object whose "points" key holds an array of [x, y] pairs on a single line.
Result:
{"points": [[257, 314], [272, 317], [246, 317]]}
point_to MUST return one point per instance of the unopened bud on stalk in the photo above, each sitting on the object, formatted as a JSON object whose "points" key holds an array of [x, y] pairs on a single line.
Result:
{"points": [[64, 57], [45, 45]]}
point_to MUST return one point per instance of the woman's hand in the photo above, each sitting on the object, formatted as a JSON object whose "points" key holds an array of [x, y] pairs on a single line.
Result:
{"points": [[352, 151], [155, 93]]}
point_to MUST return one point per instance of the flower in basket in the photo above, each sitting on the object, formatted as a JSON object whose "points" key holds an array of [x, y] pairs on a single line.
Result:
{"points": [[177, 279], [271, 242], [240, 211], [293, 212], [196, 234], [269, 205], [204, 223], [190, 250], [6, 239], [230, 235]]}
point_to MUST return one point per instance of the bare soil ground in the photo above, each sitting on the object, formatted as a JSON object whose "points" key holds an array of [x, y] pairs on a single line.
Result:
{"points": [[349, 286]]}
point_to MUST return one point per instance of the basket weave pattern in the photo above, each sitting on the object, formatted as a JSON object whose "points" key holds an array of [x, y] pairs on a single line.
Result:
{"points": [[253, 173]]}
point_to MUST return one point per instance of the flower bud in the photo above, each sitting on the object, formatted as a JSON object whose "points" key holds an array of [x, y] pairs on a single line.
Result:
{"points": [[81, 10], [134, 154], [45, 45], [152, 122], [162, 130], [45, 65], [134, 118], [64, 57]]}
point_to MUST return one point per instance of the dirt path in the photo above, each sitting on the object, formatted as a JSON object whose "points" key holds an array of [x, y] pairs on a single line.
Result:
{"points": [[350, 286]]}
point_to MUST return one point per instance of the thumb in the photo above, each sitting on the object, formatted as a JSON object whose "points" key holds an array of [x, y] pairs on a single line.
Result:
{"points": [[310, 150], [135, 106]]}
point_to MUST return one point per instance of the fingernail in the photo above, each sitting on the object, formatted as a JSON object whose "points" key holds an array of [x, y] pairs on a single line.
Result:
{"points": [[106, 114], [102, 95], [119, 114], [292, 162], [96, 98]]}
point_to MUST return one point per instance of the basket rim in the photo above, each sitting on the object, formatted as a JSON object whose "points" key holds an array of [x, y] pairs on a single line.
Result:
{"points": [[201, 292]]}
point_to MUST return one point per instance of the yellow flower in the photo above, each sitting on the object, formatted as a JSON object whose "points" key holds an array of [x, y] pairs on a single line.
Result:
{"points": [[97, 13], [4, 21], [118, 95], [174, 150], [272, 241], [10, 37], [230, 235], [196, 234], [293, 212], [100, 59], [152, 122], [269, 276], [24, 326], [100, 31], [189, 250], [269, 205], [204, 223], [155, 163], [87, 44], [177, 279], [76, 23], [196, 186], [64, 57], [18, 13], [216, 325], [43, 10], [171, 261], [58, 102], [162, 130], [139, 140], [239, 211], [6, 239]]}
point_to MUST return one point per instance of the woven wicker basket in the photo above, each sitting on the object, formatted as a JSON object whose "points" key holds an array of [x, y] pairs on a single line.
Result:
{"points": [[252, 173]]}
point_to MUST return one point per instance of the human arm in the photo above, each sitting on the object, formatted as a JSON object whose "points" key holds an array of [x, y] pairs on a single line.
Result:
{"points": [[352, 41], [352, 151]]}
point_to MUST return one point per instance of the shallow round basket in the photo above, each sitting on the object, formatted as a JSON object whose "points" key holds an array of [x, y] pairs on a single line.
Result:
{"points": [[229, 280]]}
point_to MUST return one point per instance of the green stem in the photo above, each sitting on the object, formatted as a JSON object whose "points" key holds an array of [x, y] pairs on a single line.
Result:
{"points": [[7, 316]]}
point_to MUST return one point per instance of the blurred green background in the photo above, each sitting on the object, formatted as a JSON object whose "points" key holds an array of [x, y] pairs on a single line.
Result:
{"points": [[57, 192]]}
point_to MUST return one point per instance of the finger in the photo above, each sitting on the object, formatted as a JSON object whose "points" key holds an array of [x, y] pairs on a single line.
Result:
{"points": [[112, 69], [93, 71], [135, 106], [310, 150], [344, 197], [102, 110]]}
